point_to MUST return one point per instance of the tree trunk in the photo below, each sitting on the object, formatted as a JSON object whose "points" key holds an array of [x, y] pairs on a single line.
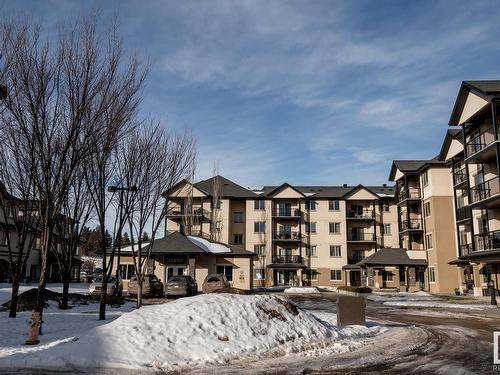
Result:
{"points": [[14, 297], [40, 302], [66, 280], [139, 292]]}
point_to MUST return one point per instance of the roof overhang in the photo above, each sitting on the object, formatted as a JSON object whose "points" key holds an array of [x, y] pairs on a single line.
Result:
{"points": [[470, 100]]}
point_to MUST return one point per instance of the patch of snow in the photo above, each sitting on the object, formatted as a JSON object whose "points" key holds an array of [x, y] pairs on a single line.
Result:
{"points": [[465, 306], [210, 328], [302, 290], [209, 247]]}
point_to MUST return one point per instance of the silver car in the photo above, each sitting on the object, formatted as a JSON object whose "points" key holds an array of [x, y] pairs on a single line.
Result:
{"points": [[181, 286], [112, 289]]}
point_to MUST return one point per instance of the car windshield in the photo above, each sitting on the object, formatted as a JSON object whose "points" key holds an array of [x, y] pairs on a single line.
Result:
{"points": [[177, 279], [214, 279]]}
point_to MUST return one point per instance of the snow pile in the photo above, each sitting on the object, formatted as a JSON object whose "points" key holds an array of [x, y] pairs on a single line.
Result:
{"points": [[302, 290], [465, 306], [209, 328], [209, 247]]}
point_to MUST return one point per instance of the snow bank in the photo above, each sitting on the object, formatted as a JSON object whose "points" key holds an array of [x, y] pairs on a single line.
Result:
{"points": [[465, 306], [209, 247], [209, 328], [302, 290]]}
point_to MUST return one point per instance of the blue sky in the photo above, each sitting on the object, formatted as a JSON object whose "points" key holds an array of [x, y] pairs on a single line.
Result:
{"points": [[308, 92]]}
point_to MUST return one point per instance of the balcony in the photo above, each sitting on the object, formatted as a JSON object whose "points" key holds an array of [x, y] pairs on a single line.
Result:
{"points": [[287, 236], [465, 249], [487, 241], [480, 142], [179, 213], [484, 192], [463, 213], [410, 193], [287, 259], [459, 177], [361, 215], [362, 237], [280, 213], [412, 224]]}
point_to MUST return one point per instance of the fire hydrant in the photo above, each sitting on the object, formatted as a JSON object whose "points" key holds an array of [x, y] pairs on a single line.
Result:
{"points": [[34, 328]]}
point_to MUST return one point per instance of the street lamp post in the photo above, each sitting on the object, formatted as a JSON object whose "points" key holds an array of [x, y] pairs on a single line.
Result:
{"points": [[121, 190], [491, 287]]}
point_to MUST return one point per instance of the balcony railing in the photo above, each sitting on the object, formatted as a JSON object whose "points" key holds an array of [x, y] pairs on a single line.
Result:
{"points": [[290, 259], [481, 141], [463, 213], [287, 213], [487, 241], [465, 249], [413, 224], [411, 193], [485, 190], [459, 176], [171, 212], [365, 214], [362, 237], [287, 236]]}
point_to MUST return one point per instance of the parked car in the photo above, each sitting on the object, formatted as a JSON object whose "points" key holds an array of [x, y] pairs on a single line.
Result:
{"points": [[215, 282], [181, 286], [96, 286], [151, 287]]}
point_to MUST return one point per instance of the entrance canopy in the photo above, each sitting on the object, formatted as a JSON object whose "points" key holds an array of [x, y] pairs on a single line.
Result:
{"points": [[390, 257]]}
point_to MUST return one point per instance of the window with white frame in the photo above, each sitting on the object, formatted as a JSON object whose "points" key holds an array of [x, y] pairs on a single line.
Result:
{"points": [[425, 178], [311, 205], [432, 275], [238, 217], [311, 251], [127, 271], [259, 227], [259, 204], [385, 229], [311, 227], [225, 270], [334, 205], [335, 275], [258, 273], [334, 228], [259, 249], [387, 276], [427, 209], [428, 240], [335, 251], [237, 239], [311, 274]]}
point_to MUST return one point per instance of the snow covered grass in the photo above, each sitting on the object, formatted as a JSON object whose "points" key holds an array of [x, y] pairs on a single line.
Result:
{"points": [[443, 305], [302, 290], [211, 328], [6, 289]]}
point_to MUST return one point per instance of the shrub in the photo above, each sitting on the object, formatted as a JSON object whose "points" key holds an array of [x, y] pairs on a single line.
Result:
{"points": [[355, 289]]}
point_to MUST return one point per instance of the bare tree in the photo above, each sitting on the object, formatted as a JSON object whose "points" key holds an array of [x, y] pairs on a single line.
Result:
{"points": [[215, 213]]}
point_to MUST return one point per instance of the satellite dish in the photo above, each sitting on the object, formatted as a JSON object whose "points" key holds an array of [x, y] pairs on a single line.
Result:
{"points": [[3, 92]]}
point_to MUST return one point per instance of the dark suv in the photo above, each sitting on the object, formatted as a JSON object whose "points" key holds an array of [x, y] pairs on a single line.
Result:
{"points": [[181, 286]]}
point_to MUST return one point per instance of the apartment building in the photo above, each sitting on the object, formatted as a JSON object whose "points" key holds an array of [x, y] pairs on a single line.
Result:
{"points": [[426, 220], [474, 155], [302, 235]]}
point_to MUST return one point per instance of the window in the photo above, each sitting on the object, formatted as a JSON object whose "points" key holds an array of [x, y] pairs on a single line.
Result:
{"points": [[259, 249], [311, 274], [311, 205], [237, 239], [311, 227], [425, 178], [311, 251], [386, 207], [334, 228], [427, 209], [237, 217], [259, 204], [387, 276], [428, 241], [335, 251], [216, 203], [336, 275], [258, 274], [259, 227], [432, 275], [334, 205], [385, 229], [127, 271], [227, 271]]}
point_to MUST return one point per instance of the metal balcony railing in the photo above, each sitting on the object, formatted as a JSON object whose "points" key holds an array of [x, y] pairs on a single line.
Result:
{"points": [[465, 249], [362, 237], [463, 213], [485, 190], [289, 259], [459, 176], [487, 241], [287, 213], [415, 224], [171, 212], [284, 236], [365, 214], [480, 141]]}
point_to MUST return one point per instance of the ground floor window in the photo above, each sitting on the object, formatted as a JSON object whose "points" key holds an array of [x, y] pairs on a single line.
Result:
{"points": [[387, 276], [260, 250], [432, 275], [258, 274], [175, 271], [312, 274], [336, 275], [127, 271], [311, 251], [227, 271]]}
